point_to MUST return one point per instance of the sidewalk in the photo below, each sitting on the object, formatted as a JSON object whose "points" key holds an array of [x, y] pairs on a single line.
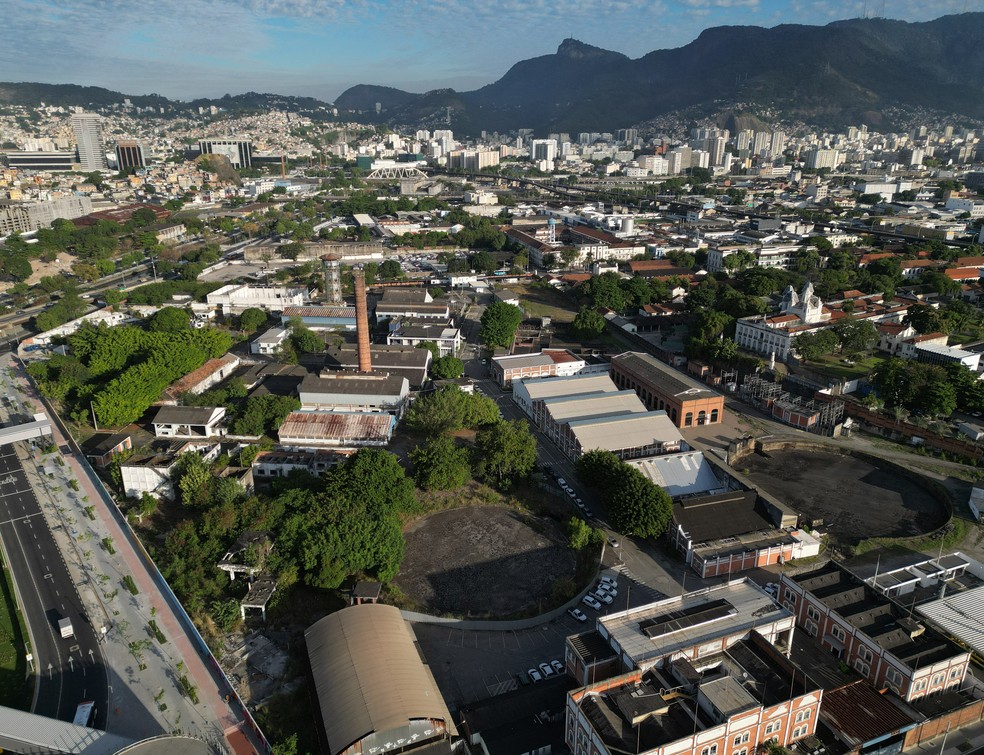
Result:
{"points": [[957, 742], [213, 719]]}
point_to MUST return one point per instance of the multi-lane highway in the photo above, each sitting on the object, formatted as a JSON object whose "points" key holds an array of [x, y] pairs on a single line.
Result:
{"points": [[68, 671]]}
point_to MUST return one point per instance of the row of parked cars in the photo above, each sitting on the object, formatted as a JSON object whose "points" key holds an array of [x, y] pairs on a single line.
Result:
{"points": [[604, 593], [588, 513], [545, 670]]}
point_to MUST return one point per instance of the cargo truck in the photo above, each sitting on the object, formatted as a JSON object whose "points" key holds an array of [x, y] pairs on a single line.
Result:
{"points": [[65, 627]]}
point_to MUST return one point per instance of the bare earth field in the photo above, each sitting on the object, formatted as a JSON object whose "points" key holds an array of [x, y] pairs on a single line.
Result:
{"points": [[855, 499], [481, 561]]}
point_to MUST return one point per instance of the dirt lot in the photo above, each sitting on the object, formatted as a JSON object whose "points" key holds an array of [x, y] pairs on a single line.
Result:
{"points": [[854, 499], [481, 561]]}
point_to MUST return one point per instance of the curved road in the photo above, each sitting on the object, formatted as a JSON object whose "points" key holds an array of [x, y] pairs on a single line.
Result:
{"points": [[71, 670]]}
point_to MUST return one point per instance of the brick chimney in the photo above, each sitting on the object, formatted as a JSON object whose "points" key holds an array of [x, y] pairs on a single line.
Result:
{"points": [[362, 322]]}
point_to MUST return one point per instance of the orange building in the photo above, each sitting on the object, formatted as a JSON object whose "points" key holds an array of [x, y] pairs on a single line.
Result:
{"points": [[688, 402]]}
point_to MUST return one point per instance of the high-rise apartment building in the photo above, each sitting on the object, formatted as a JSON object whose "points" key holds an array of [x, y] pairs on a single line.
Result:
{"points": [[817, 158], [129, 154], [761, 142], [777, 143], [89, 141], [543, 149]]}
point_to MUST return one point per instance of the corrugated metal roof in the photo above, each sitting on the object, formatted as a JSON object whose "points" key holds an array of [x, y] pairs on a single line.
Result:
{"points": [[961, 615], [368, 674], [575, 385], [859, 714], [564, 408], [327, 426], [624, 431]]}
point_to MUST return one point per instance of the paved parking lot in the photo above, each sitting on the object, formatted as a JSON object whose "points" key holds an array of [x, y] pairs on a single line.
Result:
{"points": [[471, 664]]}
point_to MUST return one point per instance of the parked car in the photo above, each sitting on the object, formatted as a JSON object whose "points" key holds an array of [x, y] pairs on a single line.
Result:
{"points": [[534, 675], [579, 503], [602, 597], [571, 493], [590, 602], [611, 592], [557, 666], [609, 580], [588, 512], [613, 542], [562, 482], [578, 614], [546, 669]]}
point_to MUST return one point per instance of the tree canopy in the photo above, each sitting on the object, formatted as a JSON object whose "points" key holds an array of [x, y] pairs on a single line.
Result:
{"points": [[440, 464], [636, 506], [451, 409], [499, 322], [506, 452]]}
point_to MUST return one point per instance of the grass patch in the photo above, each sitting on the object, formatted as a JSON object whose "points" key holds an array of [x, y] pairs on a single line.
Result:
{"points": [[15, 691], [189, 689], [948, 536], [833, 366], [90, 511], [107, 544], [74, 485], [130, 585], [541, 301]]}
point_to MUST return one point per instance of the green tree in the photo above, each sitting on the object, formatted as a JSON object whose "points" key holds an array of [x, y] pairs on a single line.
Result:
{"points": [[635, 505], [169, 320], [811, 346], [588, 324], [440, 464], [580, 534], [506, 451], [925, 319], [856, 336], [450, 409], [739, 260], [194, 480], [390, 270], [432, 347], [499, 322], [447, 368], [251, 319]]}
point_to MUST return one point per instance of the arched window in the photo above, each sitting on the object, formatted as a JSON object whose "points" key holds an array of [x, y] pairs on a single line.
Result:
{"points": [[701, 418], [688, 420], [714, 416]]}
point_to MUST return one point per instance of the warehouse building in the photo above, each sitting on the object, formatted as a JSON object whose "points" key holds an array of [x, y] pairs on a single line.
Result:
{"points": [[354, 392], [529, 393], [661, 387], [375, 694], [336, 429]]}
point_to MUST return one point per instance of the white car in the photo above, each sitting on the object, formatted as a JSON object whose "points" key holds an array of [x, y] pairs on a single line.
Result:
{"points": [[602, 597], [557, 666], [562, 482], [609, 580], [534, 675], [578, 614], [546, 669], [571, 493], [590, 602]]}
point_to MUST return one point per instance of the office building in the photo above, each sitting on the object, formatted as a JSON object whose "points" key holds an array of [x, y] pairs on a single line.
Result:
{"points": [[129, 155], [30, 216], [543, 149], [49, 161], [239, 151], [89, 141]]}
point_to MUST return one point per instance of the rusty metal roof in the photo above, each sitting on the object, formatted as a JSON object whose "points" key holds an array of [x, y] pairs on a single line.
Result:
{"points": [[325, 426]]}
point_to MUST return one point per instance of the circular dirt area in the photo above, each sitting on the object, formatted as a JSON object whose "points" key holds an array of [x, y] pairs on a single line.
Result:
{"points": [[480, 561], [854, 498]]}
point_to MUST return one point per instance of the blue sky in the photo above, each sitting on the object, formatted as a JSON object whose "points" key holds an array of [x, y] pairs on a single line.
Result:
{"points": [[192, 48]]}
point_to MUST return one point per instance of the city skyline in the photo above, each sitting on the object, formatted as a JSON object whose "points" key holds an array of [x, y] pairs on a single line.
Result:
{"points": [[319, 48]]}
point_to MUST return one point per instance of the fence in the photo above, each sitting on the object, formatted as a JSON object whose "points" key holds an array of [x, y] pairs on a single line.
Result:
{"points": [[191, 630]]}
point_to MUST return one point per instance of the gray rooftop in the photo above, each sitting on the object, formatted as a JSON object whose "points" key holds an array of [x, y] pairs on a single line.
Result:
{"points": [[562, 408], [649, 633], [187, 415], [575, 385], [960, 615], [625, 431]]}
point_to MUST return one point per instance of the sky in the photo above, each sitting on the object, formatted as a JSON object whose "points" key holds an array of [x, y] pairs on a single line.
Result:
{"points": [[185, 49]]}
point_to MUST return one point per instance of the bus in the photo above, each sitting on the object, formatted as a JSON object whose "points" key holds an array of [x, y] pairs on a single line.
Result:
{"points": [[85, 713]]}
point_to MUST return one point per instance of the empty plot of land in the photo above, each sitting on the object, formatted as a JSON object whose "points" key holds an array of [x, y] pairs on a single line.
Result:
{"points": [[855, 499], [480, 561]]}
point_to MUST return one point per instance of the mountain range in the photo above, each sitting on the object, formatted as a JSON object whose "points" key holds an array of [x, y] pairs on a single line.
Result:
{"points": [[845, 72], [841, 73]]}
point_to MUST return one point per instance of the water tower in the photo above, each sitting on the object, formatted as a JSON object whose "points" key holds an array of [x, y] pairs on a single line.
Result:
{"points": [[332, 266]]}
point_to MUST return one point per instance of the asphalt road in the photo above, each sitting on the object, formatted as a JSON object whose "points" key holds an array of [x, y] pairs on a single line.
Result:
{"points": [[69, 671]]}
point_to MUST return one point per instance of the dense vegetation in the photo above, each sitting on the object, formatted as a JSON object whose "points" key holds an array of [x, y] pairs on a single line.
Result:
{"points": [[117, 373], [635, 505]]}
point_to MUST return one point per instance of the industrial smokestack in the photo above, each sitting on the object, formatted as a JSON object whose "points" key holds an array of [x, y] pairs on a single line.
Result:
{"points": [[362, 322]]}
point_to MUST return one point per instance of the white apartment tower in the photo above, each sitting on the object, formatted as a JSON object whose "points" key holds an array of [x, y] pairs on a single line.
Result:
{"points": [[543, 149], [88, 139]]}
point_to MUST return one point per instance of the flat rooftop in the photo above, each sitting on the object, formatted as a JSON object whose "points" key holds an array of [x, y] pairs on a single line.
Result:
{"points": [[713, 517], [651, 632]]}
